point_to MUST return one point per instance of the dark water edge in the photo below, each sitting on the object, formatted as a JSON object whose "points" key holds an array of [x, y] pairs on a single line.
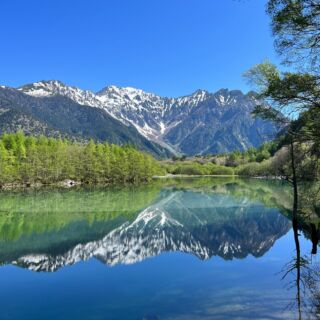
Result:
{"points": [[198, 248]]}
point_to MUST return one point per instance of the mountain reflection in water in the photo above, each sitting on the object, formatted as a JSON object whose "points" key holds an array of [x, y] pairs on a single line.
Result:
{"points": [[221, 249], [205, 221]]}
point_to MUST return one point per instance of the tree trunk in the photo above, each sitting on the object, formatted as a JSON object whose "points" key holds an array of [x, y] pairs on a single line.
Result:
{"points": [[294, 180]]}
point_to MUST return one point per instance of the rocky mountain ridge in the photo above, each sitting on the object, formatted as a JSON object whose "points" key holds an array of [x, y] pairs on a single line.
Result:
{"points": [[59, 115], [199, 123]]}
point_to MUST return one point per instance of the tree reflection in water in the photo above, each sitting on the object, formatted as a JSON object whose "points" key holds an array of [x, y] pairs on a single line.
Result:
{"points": [[305, 268]]}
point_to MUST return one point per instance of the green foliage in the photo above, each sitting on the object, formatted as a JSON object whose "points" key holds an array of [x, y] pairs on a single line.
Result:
{"points": [[287, 92], [29, 160], [237, 158], [255, 169], [279, 165], [196, 168], [260, 75], [190, 169], [296, 27], [296, 95], [177, 158]]}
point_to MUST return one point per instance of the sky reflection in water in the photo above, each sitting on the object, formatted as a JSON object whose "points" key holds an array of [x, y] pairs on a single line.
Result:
{"points": [[202, 249]]}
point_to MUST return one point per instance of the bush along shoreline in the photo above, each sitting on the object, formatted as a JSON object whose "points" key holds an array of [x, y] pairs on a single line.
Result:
{"points": [[270, 161]]}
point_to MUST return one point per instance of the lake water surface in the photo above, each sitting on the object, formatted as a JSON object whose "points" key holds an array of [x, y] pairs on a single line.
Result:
{"points": [[204, 248]]}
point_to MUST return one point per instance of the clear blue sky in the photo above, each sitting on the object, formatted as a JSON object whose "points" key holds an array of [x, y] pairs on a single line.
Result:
{"points": [[170, 47]]}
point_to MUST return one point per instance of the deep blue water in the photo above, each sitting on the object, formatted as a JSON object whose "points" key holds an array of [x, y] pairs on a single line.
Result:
{"points": [[189, 252]]}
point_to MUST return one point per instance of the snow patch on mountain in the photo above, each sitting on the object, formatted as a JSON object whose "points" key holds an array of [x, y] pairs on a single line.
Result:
{"points": [[145, 111], [171, 122]]}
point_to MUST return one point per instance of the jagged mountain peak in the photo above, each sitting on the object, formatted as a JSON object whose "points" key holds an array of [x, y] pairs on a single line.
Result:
{"points": [[115, 98], [199, 92], [222, 91], [231, 98], [46, 88], [123, 90], [57, 110], [199, 123], [199, 95], [43, 87], [50, 87], [227, 92], [226, 97]]}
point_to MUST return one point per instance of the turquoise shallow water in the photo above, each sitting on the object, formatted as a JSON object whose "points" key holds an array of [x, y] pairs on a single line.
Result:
{"points": [[195, 249]]}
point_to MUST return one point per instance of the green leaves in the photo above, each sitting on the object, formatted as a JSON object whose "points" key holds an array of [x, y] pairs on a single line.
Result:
{"points": [[47, 160], [296, 28], [266, 113], [262, 75]]}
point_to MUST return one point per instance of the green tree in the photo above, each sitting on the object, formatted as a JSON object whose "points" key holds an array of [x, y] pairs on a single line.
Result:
{"points": [[296, 29], [29, 160]]}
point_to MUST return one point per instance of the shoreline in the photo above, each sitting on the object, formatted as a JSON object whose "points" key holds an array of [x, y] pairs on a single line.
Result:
{"points": [[168, 176], [72, 183]]}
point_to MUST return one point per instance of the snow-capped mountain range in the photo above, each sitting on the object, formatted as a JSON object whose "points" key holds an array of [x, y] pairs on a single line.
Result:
{"points": [[199, 123]]}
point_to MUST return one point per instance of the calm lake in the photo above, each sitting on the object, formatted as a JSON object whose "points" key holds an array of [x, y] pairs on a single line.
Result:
{"points": [[205, 248]]}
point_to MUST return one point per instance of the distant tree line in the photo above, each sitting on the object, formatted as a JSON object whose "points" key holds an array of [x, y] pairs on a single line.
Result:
{"points": [[30, 160]]}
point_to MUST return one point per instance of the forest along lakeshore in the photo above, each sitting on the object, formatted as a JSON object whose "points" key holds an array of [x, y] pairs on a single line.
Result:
{"points": [[116, 226]]}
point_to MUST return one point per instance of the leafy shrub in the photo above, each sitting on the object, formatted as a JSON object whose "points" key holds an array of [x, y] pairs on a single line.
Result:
{"points": [[222, 170], [256, 169], [196, 168], [190, 169]]}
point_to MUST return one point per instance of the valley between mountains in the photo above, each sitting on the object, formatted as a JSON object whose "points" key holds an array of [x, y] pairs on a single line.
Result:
{"points": [[200, 123]]}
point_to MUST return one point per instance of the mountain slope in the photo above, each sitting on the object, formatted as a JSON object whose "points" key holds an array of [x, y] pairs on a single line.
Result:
{"points": [[221, 123], [56, 115], [199, 123]]}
